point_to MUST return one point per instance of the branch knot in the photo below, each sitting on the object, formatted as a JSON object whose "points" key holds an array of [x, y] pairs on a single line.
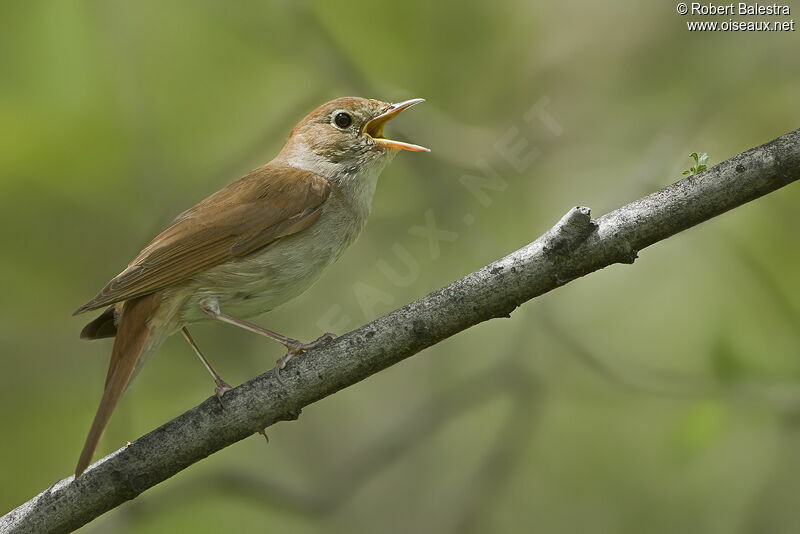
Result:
{"points": [[569, 232]]}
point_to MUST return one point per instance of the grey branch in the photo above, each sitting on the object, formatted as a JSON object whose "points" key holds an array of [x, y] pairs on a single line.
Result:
{"points": [[574, 247]]}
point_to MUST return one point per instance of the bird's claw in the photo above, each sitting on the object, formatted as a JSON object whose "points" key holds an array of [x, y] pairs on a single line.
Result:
{"points": [[220, 390], [327, 336], [299, 348]]}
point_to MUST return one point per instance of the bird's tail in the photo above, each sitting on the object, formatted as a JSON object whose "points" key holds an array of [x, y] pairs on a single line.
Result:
{"points": [[104, 326], [135, 340]]}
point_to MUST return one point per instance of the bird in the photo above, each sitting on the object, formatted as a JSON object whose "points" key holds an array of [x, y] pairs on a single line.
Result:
{"points": [[248, 248]]}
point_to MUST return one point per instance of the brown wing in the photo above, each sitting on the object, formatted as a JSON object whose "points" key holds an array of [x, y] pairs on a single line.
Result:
{"points": [[271, 202]]}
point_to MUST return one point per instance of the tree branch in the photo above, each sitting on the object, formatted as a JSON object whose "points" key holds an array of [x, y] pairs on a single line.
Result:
{"points": [[574, 247], [326, 494]]}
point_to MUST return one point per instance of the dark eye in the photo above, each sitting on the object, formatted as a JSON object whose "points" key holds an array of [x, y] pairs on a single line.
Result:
{"points": [[343, 120]]}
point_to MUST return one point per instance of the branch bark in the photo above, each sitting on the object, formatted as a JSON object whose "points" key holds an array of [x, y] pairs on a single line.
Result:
{"points": [[574, 247]]}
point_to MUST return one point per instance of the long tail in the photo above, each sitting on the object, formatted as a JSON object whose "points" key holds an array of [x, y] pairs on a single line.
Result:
{"points": [[133, 331]]}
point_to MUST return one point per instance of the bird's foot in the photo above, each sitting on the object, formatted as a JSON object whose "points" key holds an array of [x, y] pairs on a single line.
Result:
{"points": [[220, 390], [327, 336], [294, 348]]}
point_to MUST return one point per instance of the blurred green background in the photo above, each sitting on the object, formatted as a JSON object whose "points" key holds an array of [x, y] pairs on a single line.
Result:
{"points": [[658, 397]]}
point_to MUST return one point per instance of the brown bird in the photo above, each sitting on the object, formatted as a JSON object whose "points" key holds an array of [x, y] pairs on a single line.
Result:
{"points": [[249, 247]]}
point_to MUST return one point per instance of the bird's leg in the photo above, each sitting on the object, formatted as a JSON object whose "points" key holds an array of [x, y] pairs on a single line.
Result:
{"points": [[222, 386], [293, 346]]}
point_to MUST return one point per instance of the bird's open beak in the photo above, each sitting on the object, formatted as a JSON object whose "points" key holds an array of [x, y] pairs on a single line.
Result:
{"points": [[374, 128]]}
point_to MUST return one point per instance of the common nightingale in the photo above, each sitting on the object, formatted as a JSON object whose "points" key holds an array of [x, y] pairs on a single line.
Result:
{"points": [[249, 247]]}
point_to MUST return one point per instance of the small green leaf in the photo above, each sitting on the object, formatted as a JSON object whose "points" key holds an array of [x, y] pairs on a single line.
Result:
{"points": [[700, 161]]}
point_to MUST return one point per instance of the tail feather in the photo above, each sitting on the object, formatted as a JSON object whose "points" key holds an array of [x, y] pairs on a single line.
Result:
{"points": [[104, 326], [132, 335]]}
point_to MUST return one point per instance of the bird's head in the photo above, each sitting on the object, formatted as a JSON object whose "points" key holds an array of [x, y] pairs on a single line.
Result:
{"points": [[344, 137]]}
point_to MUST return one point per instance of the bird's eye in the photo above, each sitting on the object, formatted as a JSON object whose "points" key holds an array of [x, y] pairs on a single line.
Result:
{"points": [[343, 120]]}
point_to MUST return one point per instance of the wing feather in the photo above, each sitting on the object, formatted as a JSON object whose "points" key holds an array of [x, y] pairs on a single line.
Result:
{"points": [[271, 202]]}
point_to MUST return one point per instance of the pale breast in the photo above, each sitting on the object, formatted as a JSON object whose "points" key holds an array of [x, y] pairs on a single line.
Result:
{"points": [[266, 279]]}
